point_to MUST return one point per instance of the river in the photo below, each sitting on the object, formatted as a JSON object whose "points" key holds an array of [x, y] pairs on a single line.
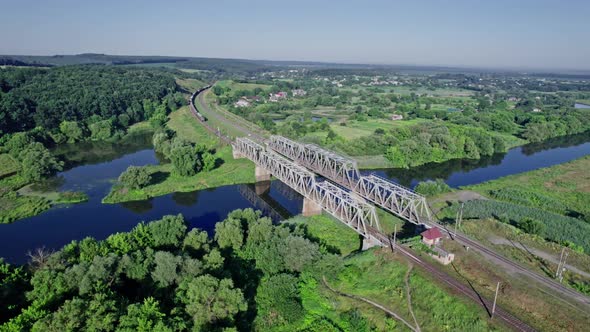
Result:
{"points": [[94, 167]]}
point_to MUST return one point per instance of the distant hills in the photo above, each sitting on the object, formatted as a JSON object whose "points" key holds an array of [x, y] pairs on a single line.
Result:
{"points": [[245, 66]]}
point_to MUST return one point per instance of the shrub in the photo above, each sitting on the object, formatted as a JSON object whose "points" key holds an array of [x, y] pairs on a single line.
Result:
{"points": [[432, 188], [135, 177]]}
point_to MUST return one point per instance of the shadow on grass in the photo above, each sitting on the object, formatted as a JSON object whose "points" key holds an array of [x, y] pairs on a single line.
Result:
{"points": [[473, 289], [159, 177]]}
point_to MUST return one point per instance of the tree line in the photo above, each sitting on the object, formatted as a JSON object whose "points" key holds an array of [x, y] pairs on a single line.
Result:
{"points": [[161, 276]]}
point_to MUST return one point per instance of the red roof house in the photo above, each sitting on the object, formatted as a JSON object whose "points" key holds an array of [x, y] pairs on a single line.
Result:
{"points": [[431, 236]]}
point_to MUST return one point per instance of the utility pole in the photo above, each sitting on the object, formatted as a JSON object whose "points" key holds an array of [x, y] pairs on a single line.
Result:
{"points": [[394, 237], [495, 298], [458, 218], [561, 265]]}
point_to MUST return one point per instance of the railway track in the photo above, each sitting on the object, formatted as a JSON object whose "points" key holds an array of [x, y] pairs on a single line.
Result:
{"points": [[550, 283], [506, 317]]}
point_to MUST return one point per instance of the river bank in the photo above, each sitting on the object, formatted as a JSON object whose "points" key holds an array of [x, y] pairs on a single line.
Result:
{"points": [[230, 171]]}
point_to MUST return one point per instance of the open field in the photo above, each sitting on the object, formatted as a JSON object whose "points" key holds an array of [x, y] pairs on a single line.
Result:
{"points": [[240, 86], [356, 129], [189, 84], [8, 165], [164, 181], [563, 188]]}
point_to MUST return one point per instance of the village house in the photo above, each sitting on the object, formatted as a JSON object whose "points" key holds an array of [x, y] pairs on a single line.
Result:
{"points": [[274, 97], [536, 110], [396, 117], [431, 236], [242, 103], [298, 92]]}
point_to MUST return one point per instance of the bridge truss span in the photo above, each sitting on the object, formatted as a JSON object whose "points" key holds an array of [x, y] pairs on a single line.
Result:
{"points": [[348, 207], [393, 197], [337, 168], [353, 210]]}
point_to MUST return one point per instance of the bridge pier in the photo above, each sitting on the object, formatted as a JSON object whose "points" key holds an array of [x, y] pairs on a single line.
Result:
{"points": [[370, 242], [262, 187], [261, 174], [310, 208], [236, 154]]}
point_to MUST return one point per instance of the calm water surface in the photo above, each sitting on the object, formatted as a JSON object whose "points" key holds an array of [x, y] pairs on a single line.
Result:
{"points": [[95, 166]]}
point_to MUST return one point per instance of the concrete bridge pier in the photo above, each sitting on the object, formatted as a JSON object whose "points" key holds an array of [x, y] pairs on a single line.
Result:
{"points": [[236, 154], [261, 174], [370, 242], [310, 208], [262, 187]]}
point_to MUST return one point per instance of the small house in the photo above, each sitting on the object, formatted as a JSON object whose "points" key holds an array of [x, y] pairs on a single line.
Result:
{"points": [[431, 236], [299, 92], [242, 103], [396, 117]]}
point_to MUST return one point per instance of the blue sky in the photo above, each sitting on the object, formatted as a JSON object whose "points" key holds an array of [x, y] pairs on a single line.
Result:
{"points": [[495, 33]]}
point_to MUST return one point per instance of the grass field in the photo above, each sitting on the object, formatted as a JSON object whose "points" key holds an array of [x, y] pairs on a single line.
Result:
{"points": [[379, 276], [567, 184], [190, 84], [356, 129], [231, 171], [8, 165], [232, 85]]}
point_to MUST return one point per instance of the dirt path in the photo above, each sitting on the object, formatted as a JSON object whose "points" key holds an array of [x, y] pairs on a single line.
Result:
{"points": [[376, 305], [536, 252], [409, 295]]}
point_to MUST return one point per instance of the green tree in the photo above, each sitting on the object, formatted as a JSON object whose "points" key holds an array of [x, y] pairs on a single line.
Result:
{"points": [[209, 161], [17, 143], [72, 130], [278, 301], [144, 317], [38, 163], [531, 226], [101, 130], [185, 160], [135, 177], [209, 300], [229, 234]]}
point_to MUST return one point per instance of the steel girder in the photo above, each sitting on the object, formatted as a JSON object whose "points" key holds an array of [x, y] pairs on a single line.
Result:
{"points": [[397, 199], [354, 211], [326, 163]]}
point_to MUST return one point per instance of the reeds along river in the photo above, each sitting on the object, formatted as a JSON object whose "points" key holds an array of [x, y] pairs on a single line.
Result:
{"points": [[93, 168]]}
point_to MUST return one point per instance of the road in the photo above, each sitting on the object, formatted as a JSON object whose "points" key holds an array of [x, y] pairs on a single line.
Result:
{"points": [[445, 278]]}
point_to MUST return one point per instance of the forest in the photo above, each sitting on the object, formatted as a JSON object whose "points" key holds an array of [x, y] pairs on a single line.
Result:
{"points": [[163, 277], [86, 95]]}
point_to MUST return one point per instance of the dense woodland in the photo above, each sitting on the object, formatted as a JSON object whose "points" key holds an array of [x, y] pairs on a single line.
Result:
{"points": [[86, 94], [163, 277]]}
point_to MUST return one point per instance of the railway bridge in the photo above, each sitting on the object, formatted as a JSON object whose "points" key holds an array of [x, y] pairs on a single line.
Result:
{"points": [[318, 195]]}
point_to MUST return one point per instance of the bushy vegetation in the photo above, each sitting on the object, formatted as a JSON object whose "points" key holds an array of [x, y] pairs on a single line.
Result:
{"points": [[561, 189], [135, 177], [554, 227], [160, 276], [432, 188]]}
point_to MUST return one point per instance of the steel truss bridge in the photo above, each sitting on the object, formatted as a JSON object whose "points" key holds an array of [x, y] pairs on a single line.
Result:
{"points": [[392, 197], [348, 207]]}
